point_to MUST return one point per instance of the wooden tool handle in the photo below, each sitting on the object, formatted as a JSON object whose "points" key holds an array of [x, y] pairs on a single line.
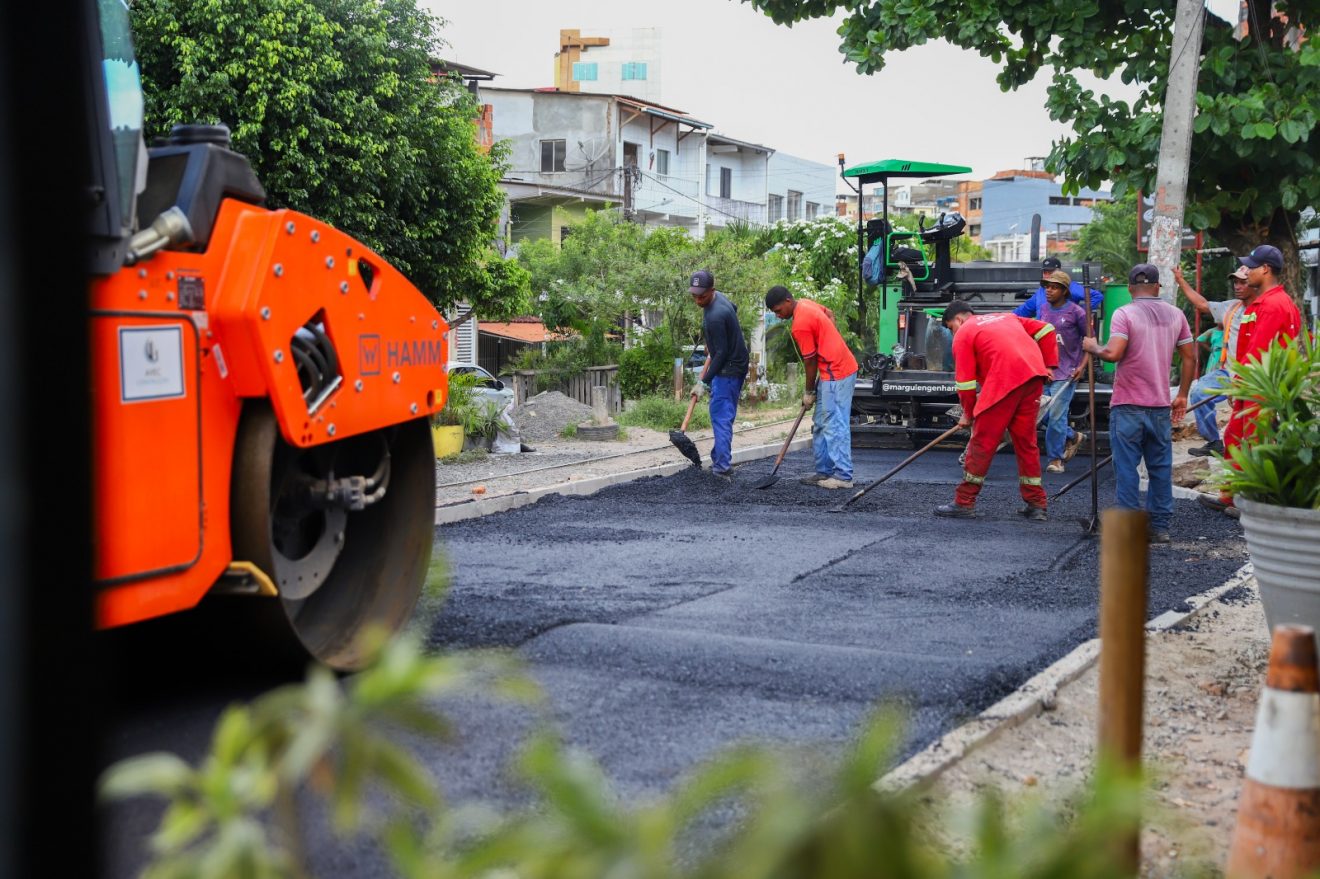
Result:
{"points": [[692, 406], [783, 450]]}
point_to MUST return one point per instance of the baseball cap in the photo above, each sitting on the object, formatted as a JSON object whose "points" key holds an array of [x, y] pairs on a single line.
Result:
{"points": [[1265, 255], [1144, 273], [1050, 263], [1239, 274], [702, 280], [1063, 279]]}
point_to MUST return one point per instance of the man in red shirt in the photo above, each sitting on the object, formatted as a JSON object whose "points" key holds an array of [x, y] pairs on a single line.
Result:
{"points": [[1009, 357], [1268, 317], [831, 374]]}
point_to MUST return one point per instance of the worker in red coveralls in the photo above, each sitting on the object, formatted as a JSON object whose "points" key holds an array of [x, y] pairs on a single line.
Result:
{"points": [[1009, 357], [1269, 316]]}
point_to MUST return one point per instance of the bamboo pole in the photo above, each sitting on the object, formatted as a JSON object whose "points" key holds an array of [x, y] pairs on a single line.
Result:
{"points": [[1123, 556]]}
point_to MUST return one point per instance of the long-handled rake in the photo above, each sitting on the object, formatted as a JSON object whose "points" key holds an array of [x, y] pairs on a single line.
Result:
{"points": [[906, 461], [774, 477]]}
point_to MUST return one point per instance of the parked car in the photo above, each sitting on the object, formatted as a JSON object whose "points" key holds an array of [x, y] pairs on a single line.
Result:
{"points": [[695, 362], [489, 388]]}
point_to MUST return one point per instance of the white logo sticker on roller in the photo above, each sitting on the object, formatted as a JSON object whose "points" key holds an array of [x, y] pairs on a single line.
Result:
{"points": [[150, 363], [1283, 750]]}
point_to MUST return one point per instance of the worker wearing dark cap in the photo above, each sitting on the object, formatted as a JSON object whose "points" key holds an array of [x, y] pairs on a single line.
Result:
{"points": [[1076, 292], [726, 366], [1142, 337], [1009, 357], [1269, 316]]}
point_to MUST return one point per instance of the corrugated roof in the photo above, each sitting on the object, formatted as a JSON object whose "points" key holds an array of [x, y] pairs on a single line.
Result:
{"points": [[518, 331]]}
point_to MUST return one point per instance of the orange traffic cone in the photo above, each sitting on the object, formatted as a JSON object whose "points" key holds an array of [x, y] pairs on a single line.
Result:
{"points": [[1278, 820]]}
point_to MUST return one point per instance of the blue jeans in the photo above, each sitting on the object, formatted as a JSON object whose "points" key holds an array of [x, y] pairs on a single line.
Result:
{"points": [[1137, 432], [1204, 388], [1057, 431], [724, 394], [831, 434]]}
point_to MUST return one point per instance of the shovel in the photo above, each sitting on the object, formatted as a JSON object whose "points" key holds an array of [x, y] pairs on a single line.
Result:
{"points": [[680, 439], [773, 477], [906, 461]]}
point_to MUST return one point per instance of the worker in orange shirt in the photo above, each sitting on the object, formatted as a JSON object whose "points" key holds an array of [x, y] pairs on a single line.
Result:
{"points": [[1269, 316], [1009, 357], [831, 374]]}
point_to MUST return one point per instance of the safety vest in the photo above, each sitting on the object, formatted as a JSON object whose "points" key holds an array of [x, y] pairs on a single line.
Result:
{"points": [[1228, 328]]}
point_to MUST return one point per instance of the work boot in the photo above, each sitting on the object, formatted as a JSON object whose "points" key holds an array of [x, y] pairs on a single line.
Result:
{"points": [[814, 478], [1214, 447], [726, 475], [955, 511], [831, 482], [1055, 466], [1033, 513], [1070, 448], [1157, 535]]}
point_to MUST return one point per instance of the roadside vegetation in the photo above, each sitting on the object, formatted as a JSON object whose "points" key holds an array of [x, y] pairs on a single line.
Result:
{"points": [[243, 808]]}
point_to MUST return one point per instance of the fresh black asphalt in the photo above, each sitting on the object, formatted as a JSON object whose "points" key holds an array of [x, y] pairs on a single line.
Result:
{"points": [[668, 619]]}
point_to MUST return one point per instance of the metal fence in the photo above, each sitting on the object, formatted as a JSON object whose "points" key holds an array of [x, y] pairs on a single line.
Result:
{"points": [[576, 385]]}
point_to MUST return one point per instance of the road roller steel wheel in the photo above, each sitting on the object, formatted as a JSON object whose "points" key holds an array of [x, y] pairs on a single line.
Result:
{"points": [[341, 572]]}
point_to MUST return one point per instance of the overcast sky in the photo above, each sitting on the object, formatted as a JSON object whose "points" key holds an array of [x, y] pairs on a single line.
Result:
{"points": [[787, 88]]}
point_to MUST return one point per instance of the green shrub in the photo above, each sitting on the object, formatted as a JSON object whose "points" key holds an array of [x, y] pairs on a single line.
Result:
{"points": [[660, 412], [801, 815], [648, 368], [1279, 463]]}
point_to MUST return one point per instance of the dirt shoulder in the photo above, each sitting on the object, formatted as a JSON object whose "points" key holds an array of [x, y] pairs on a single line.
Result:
{"points": [[1202, 684]]}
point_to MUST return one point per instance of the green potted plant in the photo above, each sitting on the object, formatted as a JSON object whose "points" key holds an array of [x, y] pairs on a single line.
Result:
{"points": [[1274, 476], [449, 425]]}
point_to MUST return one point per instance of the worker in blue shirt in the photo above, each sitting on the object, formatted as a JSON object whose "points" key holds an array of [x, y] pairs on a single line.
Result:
{"points": [[1076, 292]]}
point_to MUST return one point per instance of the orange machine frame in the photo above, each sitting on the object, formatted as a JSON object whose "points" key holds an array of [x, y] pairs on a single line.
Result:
{"points": [[181, 340]]}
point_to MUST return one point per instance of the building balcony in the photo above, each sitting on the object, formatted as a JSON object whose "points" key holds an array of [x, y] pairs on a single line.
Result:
{"points": [[723, 211]]}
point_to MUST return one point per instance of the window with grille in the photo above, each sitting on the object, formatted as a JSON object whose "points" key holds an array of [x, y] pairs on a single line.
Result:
{"points": [[552, 156], [662, 162], [775, 207], [794, 205], [813, 210]]}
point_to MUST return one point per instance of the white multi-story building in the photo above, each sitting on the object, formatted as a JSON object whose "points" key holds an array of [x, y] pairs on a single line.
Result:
{"points": [[572, 151]]}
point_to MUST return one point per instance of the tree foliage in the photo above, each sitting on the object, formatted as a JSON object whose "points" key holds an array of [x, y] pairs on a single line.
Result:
{"points": [[334, 103], [1253, 155]]}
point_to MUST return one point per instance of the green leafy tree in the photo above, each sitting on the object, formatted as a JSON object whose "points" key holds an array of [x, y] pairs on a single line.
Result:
{"points": [[1253, 160], [1111, 236], [334, 103]]}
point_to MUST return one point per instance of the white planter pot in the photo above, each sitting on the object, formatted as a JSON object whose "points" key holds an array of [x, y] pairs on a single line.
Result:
{"points": [[1285, 551]]}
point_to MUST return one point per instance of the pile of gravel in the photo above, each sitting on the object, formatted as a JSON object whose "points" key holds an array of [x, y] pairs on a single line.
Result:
{"points": [[545, 416]]}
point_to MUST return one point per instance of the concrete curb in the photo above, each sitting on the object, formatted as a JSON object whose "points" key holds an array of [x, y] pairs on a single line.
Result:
{"points": [[446, 514], [1035, 696]]}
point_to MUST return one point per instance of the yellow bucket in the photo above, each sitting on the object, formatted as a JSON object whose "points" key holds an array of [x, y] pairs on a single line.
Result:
{"points": [[447, 439]]}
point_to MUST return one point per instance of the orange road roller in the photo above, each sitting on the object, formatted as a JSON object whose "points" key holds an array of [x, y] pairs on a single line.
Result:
{"points": [[261, 392]]}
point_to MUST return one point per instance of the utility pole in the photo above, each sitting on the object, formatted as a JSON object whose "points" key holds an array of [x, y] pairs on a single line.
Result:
{"points": [[1176, 143]]}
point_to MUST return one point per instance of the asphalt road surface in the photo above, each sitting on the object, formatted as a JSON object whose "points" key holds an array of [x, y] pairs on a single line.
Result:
{"points": [[668, 619]]}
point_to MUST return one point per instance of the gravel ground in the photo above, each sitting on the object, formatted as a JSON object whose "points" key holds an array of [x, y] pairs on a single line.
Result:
{"points": [[545, 416], [1202, 685]]}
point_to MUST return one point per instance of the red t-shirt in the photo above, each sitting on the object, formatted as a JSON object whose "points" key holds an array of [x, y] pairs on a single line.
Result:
{"points": [[1272, 316], [815, 334], [1000, 352]]}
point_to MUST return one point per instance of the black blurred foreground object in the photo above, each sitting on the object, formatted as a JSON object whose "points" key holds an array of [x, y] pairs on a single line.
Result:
{"points": [[48, 676]]}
